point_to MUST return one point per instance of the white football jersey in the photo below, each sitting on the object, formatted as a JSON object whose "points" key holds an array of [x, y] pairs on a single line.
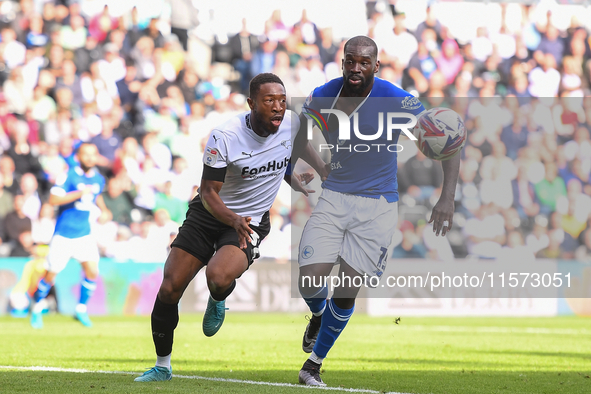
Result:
{"points": [[255, 165]]}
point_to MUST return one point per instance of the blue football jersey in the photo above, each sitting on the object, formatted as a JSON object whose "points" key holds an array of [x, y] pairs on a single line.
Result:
{"points": [[73, 219], [363, 167]]}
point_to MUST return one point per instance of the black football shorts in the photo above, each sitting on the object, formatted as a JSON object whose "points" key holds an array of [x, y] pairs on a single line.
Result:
{"points": [[201, 234]]}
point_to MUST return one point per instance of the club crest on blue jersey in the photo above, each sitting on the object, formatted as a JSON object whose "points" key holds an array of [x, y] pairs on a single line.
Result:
{"points": [[410, 103]]}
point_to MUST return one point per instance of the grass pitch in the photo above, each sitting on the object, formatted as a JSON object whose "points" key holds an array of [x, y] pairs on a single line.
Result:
{"points": [[419, 355]]}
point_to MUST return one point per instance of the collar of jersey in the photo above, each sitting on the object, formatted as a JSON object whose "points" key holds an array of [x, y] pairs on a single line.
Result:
{"points": [[358, 107], [80, 172], [251, 132]]}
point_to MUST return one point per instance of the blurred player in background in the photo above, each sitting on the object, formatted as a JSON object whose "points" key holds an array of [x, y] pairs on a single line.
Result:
{"points": [[78, 195], [354, 221], [245, 161]]}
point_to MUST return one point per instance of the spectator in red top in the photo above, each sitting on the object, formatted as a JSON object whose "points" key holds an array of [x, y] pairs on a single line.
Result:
{"points": [[101, 24], [449, 62]]}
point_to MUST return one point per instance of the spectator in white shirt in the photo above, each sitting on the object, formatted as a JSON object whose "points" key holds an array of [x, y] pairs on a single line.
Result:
{"points": [[13, 52], [545, 79], [401, 44]]}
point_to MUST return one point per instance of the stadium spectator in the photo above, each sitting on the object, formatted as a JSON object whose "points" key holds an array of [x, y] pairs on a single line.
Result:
{"points": [[32, 204], [6, 199], [551, 43], [175, 207], [263, 59], [153, 33], [182, 18], [481, 45], [73, 36], [549, 189], [411, 246], [118, 201], [421, 65], [88, 54], [107, 142], [399, 43], [485, 232], [525, 199], [16, 223], [583, 252], [13, 52], [545, 79], [20, 152], [449, 61], [100, 25], [71, 81], [128, 88], [420, 176]]}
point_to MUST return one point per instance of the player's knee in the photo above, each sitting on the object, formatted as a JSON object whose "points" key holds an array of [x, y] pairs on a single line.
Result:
{"points": [[218, 280], [311, 289], [169, 293]]}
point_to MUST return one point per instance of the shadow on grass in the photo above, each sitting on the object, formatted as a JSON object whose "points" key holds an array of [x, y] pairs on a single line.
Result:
{"points": [[535, 353]]}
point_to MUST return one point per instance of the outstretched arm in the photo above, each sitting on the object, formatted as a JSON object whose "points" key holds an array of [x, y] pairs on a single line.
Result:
{"points": [[310, 156], [445, 207], [298, 182], [303, 149], [56, 197]]}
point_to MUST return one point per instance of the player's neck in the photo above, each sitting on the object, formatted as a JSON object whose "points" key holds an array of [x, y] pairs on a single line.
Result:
{"points": [[345, 92]]}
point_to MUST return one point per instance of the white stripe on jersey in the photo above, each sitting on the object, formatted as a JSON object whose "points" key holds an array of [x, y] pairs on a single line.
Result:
{"points": [[255, 165]]}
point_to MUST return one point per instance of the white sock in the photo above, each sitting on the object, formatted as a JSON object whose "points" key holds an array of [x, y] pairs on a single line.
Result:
{"points": [[313, 357], [163, 361], [40, 306], [81, 308]]}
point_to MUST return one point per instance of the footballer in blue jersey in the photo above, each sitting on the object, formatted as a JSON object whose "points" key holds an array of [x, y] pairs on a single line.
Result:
{"points": [[78, 196], [354, 221]]}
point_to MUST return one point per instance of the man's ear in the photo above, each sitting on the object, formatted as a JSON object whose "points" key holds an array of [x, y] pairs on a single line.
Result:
{"points": [[377, 67], [250, 103]]}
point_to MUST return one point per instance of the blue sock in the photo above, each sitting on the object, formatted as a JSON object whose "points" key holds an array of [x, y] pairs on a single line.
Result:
{"points": [[42, 290], [333, 323], [317, 302], [87, 288]]}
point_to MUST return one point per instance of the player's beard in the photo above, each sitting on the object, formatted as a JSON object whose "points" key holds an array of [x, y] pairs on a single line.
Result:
{"points": [[357, 90], [266, 126]]}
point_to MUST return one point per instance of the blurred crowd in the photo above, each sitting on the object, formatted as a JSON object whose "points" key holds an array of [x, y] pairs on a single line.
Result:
{"points": [[143, 91]]}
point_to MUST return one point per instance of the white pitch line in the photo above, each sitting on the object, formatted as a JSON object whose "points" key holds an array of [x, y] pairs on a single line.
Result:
{"points": [[253, 382]]}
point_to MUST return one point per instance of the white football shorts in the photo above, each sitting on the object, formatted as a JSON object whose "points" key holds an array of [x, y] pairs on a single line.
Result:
{"points": [[360, 230], [62, 249]]}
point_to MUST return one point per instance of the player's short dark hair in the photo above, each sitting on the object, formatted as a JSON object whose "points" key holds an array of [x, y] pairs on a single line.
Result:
{"points": [[261, 79], [362, 41]]}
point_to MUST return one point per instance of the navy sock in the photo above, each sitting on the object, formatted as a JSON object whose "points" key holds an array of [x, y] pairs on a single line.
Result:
{"points": [[317, 302], [87, 288], [334, 321], [42, 290]]}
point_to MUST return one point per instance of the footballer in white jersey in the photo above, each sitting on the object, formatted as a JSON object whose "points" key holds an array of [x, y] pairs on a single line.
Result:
{"points": [[245, 161]]}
